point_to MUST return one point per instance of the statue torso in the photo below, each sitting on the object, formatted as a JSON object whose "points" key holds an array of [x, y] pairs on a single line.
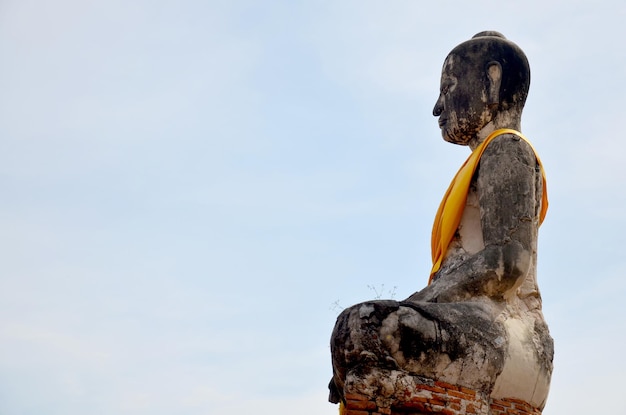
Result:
{"points": [[521, 316]]}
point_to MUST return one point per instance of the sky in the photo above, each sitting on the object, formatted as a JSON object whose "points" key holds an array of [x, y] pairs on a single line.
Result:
{"points": [[191, 191]]}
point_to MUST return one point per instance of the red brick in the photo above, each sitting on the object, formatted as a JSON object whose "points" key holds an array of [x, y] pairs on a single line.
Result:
{"points": [[470, 409], [503, 402], [356, 397], [515, 400], [460, 395], [523, 406], [361, 404], [418, 406], [356, 412], [446, 385], [470, 392], [417, 399], [446, 411], [431, 388], [450, 399], [436, 402]]}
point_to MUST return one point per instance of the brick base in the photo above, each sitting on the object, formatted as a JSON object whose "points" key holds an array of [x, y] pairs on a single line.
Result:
{"points": [[438, 398]]}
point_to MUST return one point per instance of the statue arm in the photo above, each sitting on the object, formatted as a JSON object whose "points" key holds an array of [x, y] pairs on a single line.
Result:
{"points": [[506, 186]]}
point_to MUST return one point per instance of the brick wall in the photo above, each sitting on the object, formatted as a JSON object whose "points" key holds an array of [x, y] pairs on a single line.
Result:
{"points": [[512, 407], [438, 398]]}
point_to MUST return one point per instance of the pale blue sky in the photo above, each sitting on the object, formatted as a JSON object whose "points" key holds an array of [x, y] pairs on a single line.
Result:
{"points": [[190, 188]]}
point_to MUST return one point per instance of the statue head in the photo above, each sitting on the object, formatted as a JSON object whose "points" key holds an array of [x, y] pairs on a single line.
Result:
{"points": [[484, 80]]}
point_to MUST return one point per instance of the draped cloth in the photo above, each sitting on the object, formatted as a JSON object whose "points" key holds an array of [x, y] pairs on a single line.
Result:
{"points": [[451, 208]]}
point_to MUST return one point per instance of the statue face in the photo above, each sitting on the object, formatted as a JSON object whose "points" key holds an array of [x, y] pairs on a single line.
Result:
{"points": [[462, 104]]}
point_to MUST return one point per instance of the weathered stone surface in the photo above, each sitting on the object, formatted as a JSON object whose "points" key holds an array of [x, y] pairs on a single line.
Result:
{"points": [[479, 324]]}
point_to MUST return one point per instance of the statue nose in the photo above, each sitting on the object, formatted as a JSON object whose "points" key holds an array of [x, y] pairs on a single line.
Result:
{"points": [[438, 108]]}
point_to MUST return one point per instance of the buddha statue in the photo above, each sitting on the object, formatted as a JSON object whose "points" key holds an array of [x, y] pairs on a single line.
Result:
{"points": [[478, 323]]}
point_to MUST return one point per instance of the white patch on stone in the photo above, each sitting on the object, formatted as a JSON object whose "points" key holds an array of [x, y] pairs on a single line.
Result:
{"points": [[470, 229], [522, 376], [366, 310]]}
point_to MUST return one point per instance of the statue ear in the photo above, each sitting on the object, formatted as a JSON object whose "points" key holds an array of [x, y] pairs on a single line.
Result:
{"points": [[494, 73]]}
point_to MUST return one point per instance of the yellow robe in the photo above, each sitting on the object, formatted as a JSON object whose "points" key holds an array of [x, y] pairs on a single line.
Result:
{"points": [[451, 208]]}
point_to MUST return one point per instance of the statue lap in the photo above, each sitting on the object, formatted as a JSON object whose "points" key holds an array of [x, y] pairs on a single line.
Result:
{"points": [[459, 343]]}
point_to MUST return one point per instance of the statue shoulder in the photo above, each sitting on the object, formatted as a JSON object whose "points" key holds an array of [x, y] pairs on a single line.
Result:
{"points": [[508, 151]]}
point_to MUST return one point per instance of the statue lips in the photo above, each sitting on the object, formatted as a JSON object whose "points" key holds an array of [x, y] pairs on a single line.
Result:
{"points": [[442, 122]]}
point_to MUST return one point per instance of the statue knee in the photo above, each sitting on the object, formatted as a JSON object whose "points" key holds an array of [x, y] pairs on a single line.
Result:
{"points": [[356, 336]]}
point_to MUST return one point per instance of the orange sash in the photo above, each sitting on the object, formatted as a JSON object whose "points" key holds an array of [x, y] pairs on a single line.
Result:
{"points": [[451, 208]]}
